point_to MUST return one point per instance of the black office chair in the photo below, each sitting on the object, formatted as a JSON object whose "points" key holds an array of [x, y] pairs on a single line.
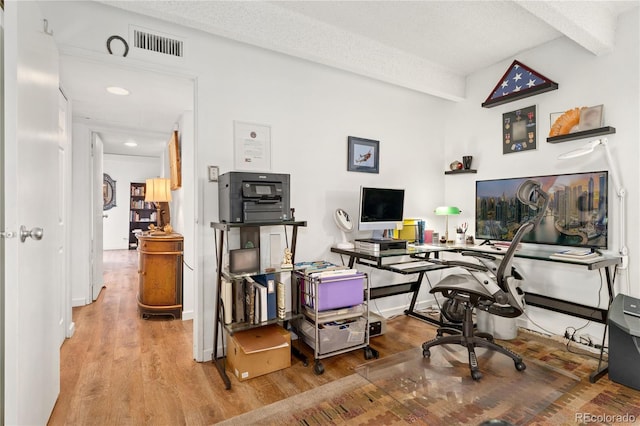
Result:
{"points": [[491, 285]]}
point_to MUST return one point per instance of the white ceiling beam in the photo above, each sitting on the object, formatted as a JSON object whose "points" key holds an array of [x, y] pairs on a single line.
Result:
{"points": [[591, 24], [274, 28]]}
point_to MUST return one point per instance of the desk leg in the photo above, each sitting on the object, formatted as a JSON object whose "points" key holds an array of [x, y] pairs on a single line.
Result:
{"points": [[604, 369], [414, 298], [412, 313]]}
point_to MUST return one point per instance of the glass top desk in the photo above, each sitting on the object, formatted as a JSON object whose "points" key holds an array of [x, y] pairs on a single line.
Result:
{"points": [[387, 260], [384, 260]]}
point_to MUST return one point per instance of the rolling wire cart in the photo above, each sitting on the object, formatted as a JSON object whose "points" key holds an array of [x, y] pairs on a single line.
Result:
{"points": [[335, 313]]}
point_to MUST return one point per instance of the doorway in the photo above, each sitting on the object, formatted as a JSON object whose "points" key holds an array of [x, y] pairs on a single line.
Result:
{"points": [[157, 104]]}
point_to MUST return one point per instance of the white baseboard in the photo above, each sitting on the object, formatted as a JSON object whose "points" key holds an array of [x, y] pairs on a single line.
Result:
{"points": [[207, 354], [78, 302]]}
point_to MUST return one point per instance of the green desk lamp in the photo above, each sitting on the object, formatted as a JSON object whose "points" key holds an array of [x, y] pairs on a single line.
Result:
{"points": [[447, 211]]}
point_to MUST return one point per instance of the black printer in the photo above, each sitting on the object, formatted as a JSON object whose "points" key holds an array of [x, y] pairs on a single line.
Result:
{"points": [[245, 197]]}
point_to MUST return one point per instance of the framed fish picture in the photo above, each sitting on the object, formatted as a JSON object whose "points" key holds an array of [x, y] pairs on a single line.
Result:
{"points": [[363, 155]]}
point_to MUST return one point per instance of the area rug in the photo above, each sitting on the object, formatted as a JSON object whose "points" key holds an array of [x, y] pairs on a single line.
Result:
{"points": [[407, 388], [440, 390], [350, 400]]}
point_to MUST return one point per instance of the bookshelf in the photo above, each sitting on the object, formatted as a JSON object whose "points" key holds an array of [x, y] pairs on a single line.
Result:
{"points": [[249, 231], [141, 213]]}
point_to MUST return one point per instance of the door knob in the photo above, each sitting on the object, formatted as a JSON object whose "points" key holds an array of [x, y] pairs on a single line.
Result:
{"points": [[35, 233]]}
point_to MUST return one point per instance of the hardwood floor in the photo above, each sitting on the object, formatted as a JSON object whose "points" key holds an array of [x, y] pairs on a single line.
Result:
{"points": [[120, 369]]}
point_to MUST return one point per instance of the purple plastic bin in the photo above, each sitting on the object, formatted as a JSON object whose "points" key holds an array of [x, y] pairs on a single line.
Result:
{"points": [[340, 291]]}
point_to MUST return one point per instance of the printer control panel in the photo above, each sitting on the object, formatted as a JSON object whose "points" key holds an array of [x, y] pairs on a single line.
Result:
{"points": [[265, 190]]}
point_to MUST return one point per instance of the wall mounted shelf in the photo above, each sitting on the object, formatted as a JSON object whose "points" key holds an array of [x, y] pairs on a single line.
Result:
{"points": [[581, 135], [461, 171]]}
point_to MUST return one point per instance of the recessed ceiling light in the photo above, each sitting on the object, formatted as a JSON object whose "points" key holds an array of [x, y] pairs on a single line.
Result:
{"points": [[115, 90], [131, 143]]}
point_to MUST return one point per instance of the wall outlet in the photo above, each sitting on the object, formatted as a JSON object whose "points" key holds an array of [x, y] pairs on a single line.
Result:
{"points": [[624, 263], [214, 171]]}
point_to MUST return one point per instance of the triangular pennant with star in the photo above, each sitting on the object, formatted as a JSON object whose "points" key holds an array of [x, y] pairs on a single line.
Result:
{"points": [[518, 82]]}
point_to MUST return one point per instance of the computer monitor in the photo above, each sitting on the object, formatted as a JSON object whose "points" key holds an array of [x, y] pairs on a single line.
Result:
{"points": [[577, 213], [380, 209]]}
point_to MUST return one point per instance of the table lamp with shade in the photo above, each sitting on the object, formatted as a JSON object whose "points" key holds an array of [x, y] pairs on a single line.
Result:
{"points": [[620, 191], [158, 191], [447, 211]]}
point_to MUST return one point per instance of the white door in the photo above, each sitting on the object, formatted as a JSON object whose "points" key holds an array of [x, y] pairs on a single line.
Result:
{"points": [[97, 203], [31, 328]]}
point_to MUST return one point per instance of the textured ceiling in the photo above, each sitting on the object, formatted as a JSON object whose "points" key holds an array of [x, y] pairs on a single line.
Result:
{"points": [[427, 46], [462, 37], [146, 116]]}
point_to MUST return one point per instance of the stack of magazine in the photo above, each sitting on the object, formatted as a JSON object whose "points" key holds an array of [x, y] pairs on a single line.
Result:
{"points": [[577, 254]]}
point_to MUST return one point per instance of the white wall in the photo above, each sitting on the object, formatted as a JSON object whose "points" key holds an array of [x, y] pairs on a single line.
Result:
{"points": [[584, 80], [124, 169], [312, 109]]}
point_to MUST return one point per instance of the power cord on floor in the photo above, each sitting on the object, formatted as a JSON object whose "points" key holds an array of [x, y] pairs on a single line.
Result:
{"points": [[605, 350]]}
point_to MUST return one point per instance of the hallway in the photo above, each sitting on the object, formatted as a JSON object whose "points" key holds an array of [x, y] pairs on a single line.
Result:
{"points": [[120, 369]]}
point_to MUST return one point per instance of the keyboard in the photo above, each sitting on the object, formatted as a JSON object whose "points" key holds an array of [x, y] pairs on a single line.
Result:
{"points": [[410, 265]]}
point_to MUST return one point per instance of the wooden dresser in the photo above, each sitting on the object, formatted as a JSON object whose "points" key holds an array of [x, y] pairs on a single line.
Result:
{"points": [[160, 274]]}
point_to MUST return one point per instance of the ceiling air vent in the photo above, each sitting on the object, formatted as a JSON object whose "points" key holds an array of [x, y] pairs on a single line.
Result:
{"points": [[158, 43]]}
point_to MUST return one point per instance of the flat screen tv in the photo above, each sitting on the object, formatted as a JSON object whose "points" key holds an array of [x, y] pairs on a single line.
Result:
{"points": [[380, 209], [577, 214]]}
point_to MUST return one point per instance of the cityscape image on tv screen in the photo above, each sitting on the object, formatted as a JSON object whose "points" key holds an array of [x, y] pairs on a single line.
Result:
{"points": [[577, 213]]}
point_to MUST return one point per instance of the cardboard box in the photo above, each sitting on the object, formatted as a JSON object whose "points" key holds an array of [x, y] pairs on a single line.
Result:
{"points": [[252, 353]]}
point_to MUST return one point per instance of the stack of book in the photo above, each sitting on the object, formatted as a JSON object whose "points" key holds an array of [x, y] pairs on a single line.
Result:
{"points": [[579, 254], [252, 300], [316, 266]]}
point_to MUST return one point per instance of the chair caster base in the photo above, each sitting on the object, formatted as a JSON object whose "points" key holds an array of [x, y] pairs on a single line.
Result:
{"points": [[476, 375]]}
